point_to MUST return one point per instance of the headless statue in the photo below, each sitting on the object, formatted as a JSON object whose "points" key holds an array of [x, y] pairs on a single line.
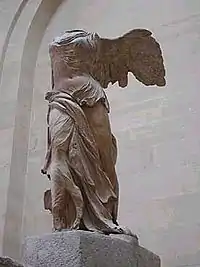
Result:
{"points": [[82, 151]]}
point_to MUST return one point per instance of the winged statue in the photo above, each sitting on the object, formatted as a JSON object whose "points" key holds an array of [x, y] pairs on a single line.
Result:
{"points": [[82, 150]]}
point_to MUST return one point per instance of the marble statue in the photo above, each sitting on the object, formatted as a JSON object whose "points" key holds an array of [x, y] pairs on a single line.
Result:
{"points": [[82, 151]]}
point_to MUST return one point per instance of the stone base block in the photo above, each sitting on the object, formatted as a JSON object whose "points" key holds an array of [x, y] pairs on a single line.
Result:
{"points": [[86, 249]]}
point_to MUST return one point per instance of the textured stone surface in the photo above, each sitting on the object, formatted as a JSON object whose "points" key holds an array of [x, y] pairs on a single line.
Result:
{"points": [[85, 249], [8, 262]]}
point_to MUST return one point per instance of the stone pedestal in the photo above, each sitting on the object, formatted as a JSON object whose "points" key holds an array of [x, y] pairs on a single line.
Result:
{"points": [[86, 249]]}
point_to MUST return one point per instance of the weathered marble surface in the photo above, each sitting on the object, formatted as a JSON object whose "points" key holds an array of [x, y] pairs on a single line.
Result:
{"points": [[82, 149]]}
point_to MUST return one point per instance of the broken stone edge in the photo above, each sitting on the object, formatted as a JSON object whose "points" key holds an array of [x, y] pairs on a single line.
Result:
{"points": [[8, 262]]}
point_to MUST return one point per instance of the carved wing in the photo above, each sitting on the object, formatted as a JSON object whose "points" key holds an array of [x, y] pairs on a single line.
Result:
{"points": [[136, 52]]}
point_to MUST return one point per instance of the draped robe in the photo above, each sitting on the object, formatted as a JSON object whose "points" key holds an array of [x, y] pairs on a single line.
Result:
{"points": [[81, 158]]}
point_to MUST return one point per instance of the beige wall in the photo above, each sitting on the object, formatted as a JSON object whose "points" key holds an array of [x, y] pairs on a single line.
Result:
{"points": [[157, 129]]}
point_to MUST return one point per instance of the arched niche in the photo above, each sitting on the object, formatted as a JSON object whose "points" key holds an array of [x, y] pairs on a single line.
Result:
{"points": [[18, 166]]}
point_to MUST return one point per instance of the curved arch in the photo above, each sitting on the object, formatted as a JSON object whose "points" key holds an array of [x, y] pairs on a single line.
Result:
{"points": [[16, 188], [9, 33]]}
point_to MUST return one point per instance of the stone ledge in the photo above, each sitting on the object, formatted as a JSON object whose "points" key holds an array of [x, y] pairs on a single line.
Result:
{"points": [[86, 249], [8, 262]]}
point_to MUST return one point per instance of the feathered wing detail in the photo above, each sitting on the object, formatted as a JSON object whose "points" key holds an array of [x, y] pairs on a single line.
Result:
{"points": [[136, 52]]}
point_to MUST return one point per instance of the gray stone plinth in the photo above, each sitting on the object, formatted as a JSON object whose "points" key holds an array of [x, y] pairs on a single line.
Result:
{"points": [[86, 249]]}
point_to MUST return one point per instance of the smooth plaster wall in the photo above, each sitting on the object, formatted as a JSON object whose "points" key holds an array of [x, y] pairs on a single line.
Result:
{"points": [[157, 129]]}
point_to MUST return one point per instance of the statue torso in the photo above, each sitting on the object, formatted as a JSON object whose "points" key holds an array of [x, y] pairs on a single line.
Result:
{"points": [[83, 89]]}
